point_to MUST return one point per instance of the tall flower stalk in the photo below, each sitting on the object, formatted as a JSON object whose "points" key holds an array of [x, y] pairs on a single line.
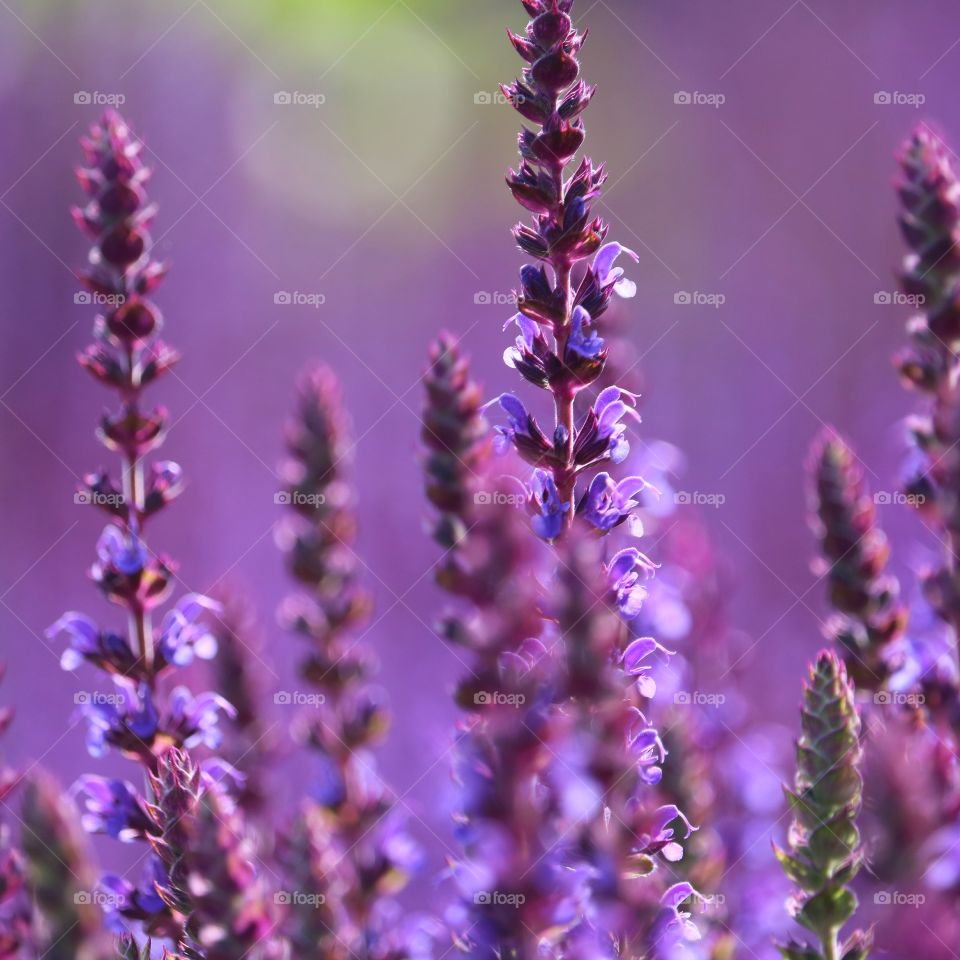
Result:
{"points": [[870, 619], [348, 852], [824, 852], [560, 301], [139, 717], [930, 222], [558, 349]]}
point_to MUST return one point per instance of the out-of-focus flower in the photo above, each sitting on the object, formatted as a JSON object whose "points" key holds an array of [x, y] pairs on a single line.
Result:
{"points": [[359, 853], [870, 618]]}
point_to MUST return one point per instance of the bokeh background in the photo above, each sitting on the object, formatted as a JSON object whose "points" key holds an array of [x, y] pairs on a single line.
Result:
{"points": [[767, 199]]}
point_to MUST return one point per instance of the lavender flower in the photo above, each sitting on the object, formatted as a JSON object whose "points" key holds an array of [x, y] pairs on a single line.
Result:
{"points": [[583, 701], [361, 854], [870, 618], [824, 852], [60, 876], [930, 221], [559, 348], [135, 718]]}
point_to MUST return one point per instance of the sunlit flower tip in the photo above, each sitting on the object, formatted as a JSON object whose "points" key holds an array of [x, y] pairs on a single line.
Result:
{"points": [[111, 807], [583, 341], [548, 523], [608, 275], [608, 503], [182, 638], [116, 551]]}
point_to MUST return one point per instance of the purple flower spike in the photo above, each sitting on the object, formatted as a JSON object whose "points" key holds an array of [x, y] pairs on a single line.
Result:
{"points": [[136, 718]]}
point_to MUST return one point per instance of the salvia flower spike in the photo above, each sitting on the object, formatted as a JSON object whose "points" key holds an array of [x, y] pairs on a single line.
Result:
{"points": [[456, 444], [136, 717], [930, 222], [350, 845], [824, 852], [564, 294], [870, 618]]}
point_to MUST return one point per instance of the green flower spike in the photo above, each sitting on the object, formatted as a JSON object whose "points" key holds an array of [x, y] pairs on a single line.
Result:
{"points": [[824, 852]]}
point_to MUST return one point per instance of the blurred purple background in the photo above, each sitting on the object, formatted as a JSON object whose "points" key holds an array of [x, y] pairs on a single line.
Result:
{"points": [[388, 201]]}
